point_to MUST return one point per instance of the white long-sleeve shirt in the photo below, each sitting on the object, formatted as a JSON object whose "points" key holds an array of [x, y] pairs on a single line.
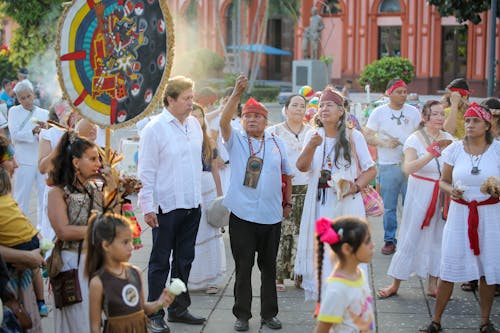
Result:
{"points": [[169, 165], [25, 142]]}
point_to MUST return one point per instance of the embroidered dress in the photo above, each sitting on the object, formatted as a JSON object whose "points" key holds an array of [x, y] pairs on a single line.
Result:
{"points": [[75, 318], [290, 226], [121, 302], [419, 250], [458, 263], [328, 205], [348, 304], [209, 265]]}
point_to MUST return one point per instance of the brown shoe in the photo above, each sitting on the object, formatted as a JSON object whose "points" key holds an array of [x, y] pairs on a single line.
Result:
{"points": [[389, 248]]}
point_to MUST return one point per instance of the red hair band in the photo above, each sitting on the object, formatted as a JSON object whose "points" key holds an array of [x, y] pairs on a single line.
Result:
{"points": [[396, 85], [462, 92], [476, 110]]}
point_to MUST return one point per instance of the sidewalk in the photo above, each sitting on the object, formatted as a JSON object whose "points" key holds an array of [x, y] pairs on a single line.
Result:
{"points": [[404, 313]]}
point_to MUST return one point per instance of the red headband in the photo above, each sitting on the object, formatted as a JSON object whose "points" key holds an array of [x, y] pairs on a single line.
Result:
{"points": [[252, 106], [330, 95], [462, 92], [476, 110], [396, 85]]}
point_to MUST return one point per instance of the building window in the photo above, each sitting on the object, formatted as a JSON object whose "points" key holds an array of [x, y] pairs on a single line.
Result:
{"points": [[229, 24], [389, 6], [331, 7], [389, 41]]}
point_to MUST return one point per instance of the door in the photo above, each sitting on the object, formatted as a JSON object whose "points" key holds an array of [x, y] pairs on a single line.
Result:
{"points": [[454, 53]]}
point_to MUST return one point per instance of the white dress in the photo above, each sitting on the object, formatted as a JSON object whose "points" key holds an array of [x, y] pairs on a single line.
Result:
{"points": [[53, 135], [458, 263], [419, 250], [332, 208], [209, 264]]}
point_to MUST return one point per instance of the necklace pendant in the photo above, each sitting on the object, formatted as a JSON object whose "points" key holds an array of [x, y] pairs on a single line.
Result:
{"points": [[475, 171]]}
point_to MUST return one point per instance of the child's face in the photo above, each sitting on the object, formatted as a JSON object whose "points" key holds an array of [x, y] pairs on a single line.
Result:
{"points": [[122, 246], [365, 251]]}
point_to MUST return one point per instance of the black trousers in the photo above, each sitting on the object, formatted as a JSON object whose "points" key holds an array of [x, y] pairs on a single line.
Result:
{"points": [[246, 239], [176, 235]]}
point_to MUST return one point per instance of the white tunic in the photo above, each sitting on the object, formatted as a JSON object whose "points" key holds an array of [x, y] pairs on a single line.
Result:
{"points": [[458, 262], [332, 208], [419, 250]]}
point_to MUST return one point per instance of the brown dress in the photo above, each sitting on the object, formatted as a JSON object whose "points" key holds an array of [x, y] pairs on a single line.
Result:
{"points": [[121, 302]]}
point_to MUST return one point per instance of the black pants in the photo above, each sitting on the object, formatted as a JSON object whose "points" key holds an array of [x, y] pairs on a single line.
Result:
{"points": [[176, 235], [246, 239]]}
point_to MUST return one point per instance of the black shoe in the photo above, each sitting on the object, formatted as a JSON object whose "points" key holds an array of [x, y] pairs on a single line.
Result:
{"points": [[158, 325], [273, 323], [186, 318], [241, 325]]}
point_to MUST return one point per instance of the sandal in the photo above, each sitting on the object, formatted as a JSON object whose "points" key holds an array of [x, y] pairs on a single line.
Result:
{"points": [[386, 293], [487, 328], [280, 287], [434, 327], [469, 286]]}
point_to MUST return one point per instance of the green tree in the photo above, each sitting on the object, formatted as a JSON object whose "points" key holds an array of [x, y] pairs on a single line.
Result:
{"points": [[380, 72], [463, 10]]}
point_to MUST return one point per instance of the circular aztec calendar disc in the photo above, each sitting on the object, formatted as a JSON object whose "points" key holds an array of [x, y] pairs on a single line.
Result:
{"points": [[114, 58]]}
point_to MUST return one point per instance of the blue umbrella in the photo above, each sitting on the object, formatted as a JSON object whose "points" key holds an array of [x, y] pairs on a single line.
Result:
{"points": [[260, 48]]}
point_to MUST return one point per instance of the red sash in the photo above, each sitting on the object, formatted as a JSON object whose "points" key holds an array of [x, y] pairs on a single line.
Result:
{"points": [[432, 206], [473, 220]]}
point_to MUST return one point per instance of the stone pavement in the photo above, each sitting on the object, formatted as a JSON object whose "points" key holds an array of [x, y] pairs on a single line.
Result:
{"points": [[404, 313]]}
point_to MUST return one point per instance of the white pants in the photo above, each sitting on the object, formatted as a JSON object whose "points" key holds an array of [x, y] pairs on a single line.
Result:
{"points": [[24, 178]]}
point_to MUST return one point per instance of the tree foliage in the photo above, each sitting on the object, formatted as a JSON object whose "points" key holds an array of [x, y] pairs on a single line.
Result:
{"points": [[381, 71], [463, 10]]}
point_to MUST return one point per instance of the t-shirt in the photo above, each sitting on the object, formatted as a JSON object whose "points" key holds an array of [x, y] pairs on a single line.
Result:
{"points": [[396, 123], [460, 130], [15, 227], [348, 304]]}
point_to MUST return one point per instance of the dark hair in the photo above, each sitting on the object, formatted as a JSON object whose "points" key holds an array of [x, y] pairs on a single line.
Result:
{"points": [[488, 134], [101, 227], [289, 100], [5, 81], [70, 146], [491, 103], [426, 109], [4, 145], [460, 83], [354, 232], [341, 143]]}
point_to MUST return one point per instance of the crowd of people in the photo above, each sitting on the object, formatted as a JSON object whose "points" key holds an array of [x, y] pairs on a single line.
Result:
{"points": [[291, 188]]}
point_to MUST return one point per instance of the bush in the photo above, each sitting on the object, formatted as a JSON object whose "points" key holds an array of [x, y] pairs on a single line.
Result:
{"points": [[381, 71], [7, 70], [199, 64], [265, 93]]}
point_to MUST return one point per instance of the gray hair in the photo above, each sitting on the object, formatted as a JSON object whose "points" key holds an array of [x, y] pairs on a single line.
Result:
{"points": [[24, 85]]}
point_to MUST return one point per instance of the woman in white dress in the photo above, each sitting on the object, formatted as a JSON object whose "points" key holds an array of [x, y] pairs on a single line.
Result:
{"points": [[292, 132], [419, 246], [470, 238], [209, 266], [327, 154]]}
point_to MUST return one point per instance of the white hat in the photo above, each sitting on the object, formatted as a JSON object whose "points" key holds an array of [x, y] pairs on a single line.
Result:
{"points": [[217, 214]]}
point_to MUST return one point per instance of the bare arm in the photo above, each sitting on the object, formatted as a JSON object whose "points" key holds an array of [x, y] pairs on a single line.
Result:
{"points": [[31, 259], [163, 301], [412, 164], [231, 106], [446, 182], [216, 176], [95, 304], [58, 216], [450, 123], [306, 156], [45, 156], [373, 140]]}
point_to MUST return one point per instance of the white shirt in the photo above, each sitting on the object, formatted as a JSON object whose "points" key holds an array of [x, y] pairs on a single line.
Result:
{"points": [[3, 115], [169, 164], [25, 142], [293, 146], [263, 204], [396, 123]]}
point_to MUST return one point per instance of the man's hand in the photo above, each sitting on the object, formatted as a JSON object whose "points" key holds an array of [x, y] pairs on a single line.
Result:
{"points": [[241, 85], [32, 259], [151, 219], [36, 130], [286, 211]]}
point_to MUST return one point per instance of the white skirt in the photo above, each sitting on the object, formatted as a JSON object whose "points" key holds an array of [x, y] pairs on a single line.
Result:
{"points": [[45, 227], [418, 251], [458, 262], [209, 266]]}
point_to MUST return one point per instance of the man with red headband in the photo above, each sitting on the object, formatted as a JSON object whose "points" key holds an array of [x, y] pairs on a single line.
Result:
{"points": [[255, 199], [457, 92], [387, 128]]}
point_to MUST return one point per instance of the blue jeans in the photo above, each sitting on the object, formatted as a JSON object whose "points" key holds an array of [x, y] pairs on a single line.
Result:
{"points": [[392, 182]]}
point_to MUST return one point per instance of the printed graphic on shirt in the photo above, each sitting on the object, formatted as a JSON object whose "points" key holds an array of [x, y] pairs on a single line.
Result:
{"points": [[130, 295]]}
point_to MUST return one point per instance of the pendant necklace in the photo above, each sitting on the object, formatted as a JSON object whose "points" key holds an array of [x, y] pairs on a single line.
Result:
{"points": [[474, 161], [290, 129], [250, 145], [398, 119]]}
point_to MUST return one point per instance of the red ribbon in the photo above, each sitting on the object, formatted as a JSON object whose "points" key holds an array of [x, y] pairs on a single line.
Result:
{"points": [[462, 92], [432, 205], [396, 85], [473, 220], [476, 110]]}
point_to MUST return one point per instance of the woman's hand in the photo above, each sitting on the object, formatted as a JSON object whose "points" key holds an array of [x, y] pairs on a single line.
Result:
{"points": [[354, 189], [316, 140], [456, 194]]}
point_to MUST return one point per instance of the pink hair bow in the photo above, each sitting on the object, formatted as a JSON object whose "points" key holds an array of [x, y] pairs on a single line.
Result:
{"points": [[325, 231]]}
